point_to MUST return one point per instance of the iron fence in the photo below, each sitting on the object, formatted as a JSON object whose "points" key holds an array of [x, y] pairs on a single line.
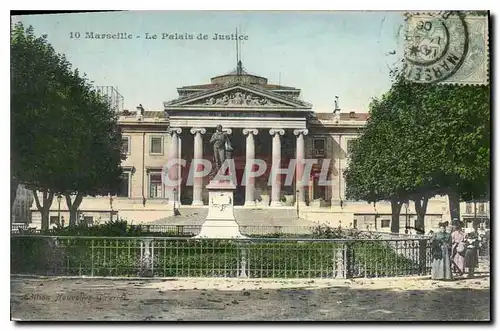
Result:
{"points": [[264, 230], [485, 245], [18, 227], [193, 257], [173, 229], [247, 230]]}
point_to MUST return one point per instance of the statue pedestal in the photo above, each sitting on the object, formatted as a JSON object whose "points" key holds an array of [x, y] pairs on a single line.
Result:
{"points": [[220, 221]]}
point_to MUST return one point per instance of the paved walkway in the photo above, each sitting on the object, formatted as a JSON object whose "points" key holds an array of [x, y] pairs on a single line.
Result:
{"points": [[391, 299], [246, 217]]}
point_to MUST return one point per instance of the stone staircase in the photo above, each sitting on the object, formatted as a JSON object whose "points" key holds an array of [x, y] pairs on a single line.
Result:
{"points": [[244, 217]]}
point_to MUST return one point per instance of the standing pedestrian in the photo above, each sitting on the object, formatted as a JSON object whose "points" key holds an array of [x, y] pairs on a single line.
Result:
{"points": [[471, 258], [441, 247], [458, 248]]}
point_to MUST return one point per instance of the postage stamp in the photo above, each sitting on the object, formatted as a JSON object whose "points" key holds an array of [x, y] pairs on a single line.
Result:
{"points": [[447, 48]]}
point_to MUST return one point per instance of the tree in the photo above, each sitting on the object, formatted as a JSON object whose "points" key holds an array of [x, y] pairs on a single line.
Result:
{"points": [[422, 140], [65, 138], [415, 169], [94, 167], [462, 129], [448, 130], [374, 173], [37, 138]]}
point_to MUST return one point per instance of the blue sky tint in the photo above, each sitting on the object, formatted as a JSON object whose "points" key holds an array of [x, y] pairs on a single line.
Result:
{"points": [[322, 53]]}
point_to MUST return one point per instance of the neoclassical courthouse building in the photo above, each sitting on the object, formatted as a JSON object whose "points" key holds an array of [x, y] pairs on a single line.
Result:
{"points": [[264, 121]]}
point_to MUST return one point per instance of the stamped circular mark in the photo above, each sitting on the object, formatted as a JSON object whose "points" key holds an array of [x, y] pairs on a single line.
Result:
{"points": [[435, 46]]}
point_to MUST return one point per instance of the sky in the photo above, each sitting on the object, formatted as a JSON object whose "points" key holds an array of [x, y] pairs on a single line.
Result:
{"points": [[324, 54]]}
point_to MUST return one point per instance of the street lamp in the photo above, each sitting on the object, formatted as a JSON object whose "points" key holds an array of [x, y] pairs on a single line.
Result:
{"points": [[176, 210], [475, 212], [59, 199], [407, 219]]}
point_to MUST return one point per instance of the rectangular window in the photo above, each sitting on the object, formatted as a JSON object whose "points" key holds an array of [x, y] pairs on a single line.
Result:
{"points": [[319, 147], [124, 186], [155, 185], [480, 208], [319, 191], [156, 145], [126, 145], [385, 223], [53, 219], [468, 208]]}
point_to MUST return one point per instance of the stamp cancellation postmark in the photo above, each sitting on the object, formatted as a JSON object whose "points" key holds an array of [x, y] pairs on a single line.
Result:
{"points": [[447, 47]]}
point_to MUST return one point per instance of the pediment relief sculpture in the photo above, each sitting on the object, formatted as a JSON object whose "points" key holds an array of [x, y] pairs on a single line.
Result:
{"points": [[240, 99]]}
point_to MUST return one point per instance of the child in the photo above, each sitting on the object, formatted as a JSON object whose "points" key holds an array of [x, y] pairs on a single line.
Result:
{"points": [[471, 260]]}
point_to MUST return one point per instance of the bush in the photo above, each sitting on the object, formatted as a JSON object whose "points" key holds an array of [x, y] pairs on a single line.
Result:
{"points": [[115, 228], [323, 231]]}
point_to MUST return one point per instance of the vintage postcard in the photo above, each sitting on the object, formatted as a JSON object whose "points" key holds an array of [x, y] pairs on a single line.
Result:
{"points": [[250, 166]]}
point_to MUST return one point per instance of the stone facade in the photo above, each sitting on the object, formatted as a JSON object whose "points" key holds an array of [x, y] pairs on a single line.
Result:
{"points": [[264, 121]]}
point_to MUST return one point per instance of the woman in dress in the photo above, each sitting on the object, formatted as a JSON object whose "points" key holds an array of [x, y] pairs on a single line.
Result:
{"points": [[458, 249], [441, 247]]}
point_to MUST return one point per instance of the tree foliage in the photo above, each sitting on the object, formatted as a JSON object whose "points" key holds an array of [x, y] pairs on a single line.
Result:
{"points": [[422, 140], [65, 137]]}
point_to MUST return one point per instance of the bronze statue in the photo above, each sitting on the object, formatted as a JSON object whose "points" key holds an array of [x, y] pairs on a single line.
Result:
{"points": [[222, 148]]}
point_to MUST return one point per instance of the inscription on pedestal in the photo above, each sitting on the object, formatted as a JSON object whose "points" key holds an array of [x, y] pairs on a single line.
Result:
{"points": [[221, 205]]}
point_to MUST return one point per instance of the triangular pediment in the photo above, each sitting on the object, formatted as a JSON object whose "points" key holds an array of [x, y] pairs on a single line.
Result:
{"points": [[238, 96]]}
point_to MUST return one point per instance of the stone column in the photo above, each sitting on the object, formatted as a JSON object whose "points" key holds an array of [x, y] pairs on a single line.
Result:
{"points": [[198, 155], [179, 168], [275, 177], [250, 156], [173, 172], [336, 172], [301, 183], [229, 132]]}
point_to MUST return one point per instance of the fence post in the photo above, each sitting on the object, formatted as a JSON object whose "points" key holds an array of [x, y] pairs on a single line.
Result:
{"points": [[146, 265], [56, 259], [422, 256], [243, 264], [92, 256], [349, 259], [340, 261]]}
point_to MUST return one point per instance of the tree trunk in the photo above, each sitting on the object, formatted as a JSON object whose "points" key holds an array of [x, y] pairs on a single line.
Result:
{"points": [[454, 204], [44, 207], [73, 207], [14, 183], [45, 218], [421, 209], [396, 211]]}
